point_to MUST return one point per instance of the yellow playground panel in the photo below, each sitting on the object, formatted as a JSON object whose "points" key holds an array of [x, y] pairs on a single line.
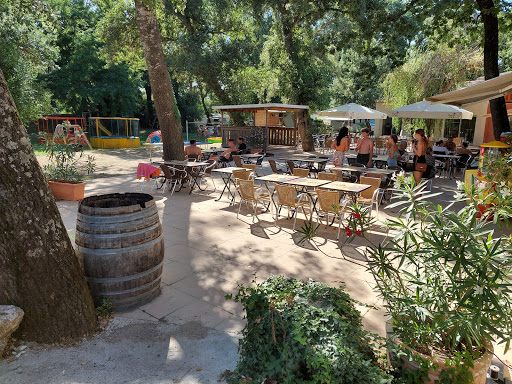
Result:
{"points": [[114, 132]]}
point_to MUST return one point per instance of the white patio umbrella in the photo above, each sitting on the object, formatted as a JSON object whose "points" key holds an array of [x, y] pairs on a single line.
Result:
{"points": [[352, 111], [425, 110]]}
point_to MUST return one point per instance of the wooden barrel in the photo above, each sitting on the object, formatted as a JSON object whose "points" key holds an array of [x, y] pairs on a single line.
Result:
{"points": [[119, 239]]}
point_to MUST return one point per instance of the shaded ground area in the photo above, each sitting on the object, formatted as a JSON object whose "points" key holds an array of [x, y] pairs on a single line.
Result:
{"points": [[189, 334]]}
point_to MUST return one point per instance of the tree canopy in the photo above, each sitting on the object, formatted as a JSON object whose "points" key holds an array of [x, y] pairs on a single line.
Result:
{"points": [[85, 55]]}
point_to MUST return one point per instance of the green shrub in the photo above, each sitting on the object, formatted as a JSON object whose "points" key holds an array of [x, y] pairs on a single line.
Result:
{"points": [[303, 332]]}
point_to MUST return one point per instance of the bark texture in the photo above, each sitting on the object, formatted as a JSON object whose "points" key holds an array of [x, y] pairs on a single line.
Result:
{"points": [[39, 271], [498, 106], [307, 138], [160, 80]]}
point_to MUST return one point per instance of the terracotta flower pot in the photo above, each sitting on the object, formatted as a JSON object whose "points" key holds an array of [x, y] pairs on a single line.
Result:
{"points": [[479, 370], [70, 191]]}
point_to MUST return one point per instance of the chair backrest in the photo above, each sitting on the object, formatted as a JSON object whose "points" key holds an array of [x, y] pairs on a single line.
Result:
{"points": [[259, 160], [291, 165], [327, 176], [241, 174], [246, 188], [192, 156], [167, 171], [273, 165], [285, 195], [300, 172], [327, 200], [238, 160], [337, 172], [463, 159], [252, 167], [373, 181], [210, 167]]}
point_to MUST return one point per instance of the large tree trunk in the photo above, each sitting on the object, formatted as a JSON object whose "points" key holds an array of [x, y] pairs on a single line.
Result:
{"points": [[307, 139], [39, 271], [163, 95], [498, 106]]}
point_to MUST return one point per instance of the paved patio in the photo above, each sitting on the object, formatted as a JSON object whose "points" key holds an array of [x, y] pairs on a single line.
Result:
{"points": [[189, 334]]}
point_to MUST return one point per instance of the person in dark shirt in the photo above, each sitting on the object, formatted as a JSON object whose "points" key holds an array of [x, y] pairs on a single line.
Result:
{"points": [[241, 145]]}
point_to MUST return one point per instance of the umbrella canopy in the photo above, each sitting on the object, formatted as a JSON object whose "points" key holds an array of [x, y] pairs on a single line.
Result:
{"points": [[425, 110], [352, 111]]}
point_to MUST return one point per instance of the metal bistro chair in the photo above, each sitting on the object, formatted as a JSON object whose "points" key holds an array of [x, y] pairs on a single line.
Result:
{"points": [[202, 174], [273, 166], [300, 172], [250, 193], [174, 177], [327, 176], [329, 204], [356, 175], [462, 163], [238, 160], [251, 167], [370, 196], [291, 166], [321, 165], [287, 197]]}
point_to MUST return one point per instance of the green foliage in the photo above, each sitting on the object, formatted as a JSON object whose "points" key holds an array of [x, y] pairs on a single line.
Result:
{"points": [[308, 231], [81, 80], [63, 163], [104, 310], [303, 332], [445, 279], [27, 47]]}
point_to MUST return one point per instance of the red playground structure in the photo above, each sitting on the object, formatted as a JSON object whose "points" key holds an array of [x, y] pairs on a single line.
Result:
{"points": [[63, 128]]}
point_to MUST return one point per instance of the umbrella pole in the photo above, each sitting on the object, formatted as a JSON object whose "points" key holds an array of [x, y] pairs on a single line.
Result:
{"points": [[460, 125]]}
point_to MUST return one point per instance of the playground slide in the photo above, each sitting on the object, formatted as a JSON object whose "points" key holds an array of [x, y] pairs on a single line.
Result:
{"points": [[103, 129]]}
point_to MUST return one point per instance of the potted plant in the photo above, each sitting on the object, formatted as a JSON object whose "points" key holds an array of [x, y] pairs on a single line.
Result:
{"points": [[445, 279], [66, 168]]}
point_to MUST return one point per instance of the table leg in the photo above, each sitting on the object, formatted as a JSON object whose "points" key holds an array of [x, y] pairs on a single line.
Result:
{"points": [[226, 181]]}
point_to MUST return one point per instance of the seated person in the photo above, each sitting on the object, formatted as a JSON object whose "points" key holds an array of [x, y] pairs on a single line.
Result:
{"points": [[450, 145], [225, 157], [242, 148], [402, 148], [464, 149], [439, 148], [431, 165], [192, 151]]}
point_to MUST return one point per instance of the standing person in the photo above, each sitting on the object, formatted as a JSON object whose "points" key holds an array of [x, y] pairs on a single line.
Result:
{"points": [[341, 145], [420, 151], [364, 148], [393, 152], [193, 150]]}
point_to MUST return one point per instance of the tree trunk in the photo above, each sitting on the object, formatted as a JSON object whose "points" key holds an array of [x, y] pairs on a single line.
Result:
{"points": [[39, 271], [205, 108], [307, 139], [160, 80], [498, 106]]}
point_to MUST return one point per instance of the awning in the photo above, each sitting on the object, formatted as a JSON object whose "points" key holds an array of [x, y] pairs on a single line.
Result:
{"points": [[487, 90], [275, 107]]}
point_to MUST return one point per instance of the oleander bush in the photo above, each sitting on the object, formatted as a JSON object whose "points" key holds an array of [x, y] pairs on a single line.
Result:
{"points": [[304, 332]]}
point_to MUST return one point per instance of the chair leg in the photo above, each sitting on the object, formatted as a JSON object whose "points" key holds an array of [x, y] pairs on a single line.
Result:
{"points": [[255, 208], [239, 206]]}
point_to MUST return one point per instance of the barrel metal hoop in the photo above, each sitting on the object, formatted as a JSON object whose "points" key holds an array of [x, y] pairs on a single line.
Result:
{"points": [[136, 300], [131, 290], [120, 235], [117, 219], [115, 251], [112, 280]]}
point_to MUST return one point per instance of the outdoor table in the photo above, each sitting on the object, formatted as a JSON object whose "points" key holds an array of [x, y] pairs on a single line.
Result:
{"points": [[152, 146], [310, 161], [382, 171], [250, 157], [449, 161], [208, 152], [188, 165], [275, 178], [350, 188], [226, 174]]}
